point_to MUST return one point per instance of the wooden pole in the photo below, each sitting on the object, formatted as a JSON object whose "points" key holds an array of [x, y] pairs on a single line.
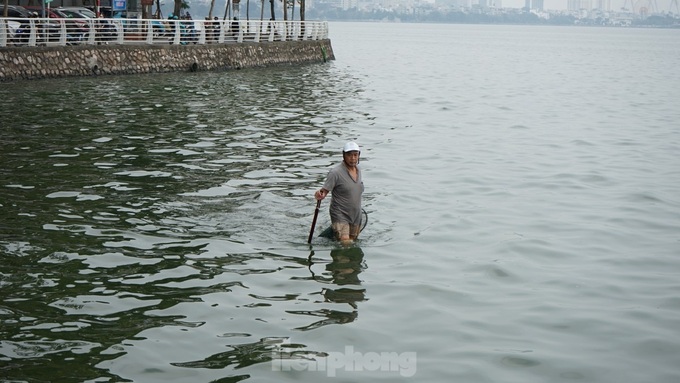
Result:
{"points": [[316, 214]]}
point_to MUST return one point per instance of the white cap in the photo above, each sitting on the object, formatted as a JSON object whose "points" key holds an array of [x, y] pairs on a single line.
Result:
{"points": [[351, 146]]}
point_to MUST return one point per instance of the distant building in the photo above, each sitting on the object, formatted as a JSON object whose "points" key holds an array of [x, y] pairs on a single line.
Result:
{"points": [[533, 4], [453, 3], [577, 5], [604, 5], [349, 4], [485, 4]]}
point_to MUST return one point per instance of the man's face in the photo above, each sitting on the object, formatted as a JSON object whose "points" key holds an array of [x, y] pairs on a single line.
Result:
{"points": [[351, 158]]}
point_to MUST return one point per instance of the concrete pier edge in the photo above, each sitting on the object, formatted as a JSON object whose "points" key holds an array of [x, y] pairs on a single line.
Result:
{"points": [[31, 63]]}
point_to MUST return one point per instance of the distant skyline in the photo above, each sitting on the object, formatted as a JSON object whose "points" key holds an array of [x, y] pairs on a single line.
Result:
{"points": [[552, 5], [661, 5], [616, 5], [548, 5]]}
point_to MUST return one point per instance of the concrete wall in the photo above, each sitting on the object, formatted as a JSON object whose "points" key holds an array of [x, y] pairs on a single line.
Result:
{"points": [[26, 63]]}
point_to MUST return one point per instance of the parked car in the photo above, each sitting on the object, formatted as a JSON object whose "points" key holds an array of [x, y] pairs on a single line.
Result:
{"points": [[15, 15], [21, 26], [106, 30], [38, 10], [104, 11], [81, 12], [76, 29], [15, 11]]}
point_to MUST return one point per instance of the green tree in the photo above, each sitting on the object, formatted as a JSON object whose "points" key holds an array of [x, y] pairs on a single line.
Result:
{"points": [[179, 6]]}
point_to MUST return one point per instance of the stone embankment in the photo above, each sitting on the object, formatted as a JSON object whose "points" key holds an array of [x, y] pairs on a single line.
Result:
{"points": [[26, 63]]}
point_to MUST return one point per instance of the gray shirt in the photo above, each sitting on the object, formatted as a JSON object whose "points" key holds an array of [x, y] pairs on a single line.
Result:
{"points": [[345, 195]]}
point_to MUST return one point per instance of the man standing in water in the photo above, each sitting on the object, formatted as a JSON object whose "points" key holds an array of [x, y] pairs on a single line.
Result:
{"points": [[346, 186]]}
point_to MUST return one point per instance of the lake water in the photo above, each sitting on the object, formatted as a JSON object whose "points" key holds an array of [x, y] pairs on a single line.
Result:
{"points": [[523, 200]]}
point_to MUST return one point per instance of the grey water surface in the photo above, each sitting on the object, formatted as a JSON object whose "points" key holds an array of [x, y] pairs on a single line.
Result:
{"points": [[522, 189]]}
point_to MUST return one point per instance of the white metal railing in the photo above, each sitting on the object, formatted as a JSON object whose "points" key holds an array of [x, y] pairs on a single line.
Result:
{"points": [[40, 32]]}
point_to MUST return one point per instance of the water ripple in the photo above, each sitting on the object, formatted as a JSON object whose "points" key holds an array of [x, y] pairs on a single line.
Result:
{"points": [[523, 213]]}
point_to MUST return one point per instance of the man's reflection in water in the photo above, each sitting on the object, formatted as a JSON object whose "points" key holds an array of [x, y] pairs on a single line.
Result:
{"points": [[341, 276], [346, 265], [343, 272]]}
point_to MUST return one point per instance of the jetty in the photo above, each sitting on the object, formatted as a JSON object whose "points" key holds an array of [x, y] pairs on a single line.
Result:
{"points": [[47, 48]]}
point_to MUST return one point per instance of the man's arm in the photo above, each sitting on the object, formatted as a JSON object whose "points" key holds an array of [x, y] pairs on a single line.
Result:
{"points": [[320, 194]]}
